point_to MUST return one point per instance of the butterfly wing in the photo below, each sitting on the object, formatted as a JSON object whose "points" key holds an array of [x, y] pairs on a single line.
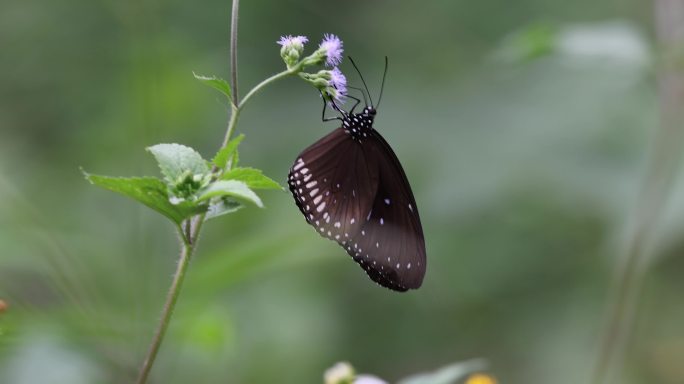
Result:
{"points": [[356, 193], [333, 185], [391, 244]]}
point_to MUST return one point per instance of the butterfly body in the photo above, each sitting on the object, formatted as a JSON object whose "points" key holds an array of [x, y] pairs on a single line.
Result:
{"points": [[352, 189]]}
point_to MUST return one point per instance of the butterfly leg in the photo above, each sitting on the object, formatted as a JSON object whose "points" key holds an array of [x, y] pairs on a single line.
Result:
{"points": [[355, 104], [363, 93], [325, 104]]}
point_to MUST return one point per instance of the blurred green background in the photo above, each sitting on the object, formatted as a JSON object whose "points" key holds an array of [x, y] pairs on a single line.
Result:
{"points": [[523, 126]]}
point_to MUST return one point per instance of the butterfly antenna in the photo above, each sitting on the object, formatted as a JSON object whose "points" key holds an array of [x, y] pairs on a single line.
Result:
{"points": [[382, 87], [362, 80]]}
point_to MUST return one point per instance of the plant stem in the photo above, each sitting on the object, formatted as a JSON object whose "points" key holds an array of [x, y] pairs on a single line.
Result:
{"points": [[235, 111], [171, 298], [660, 173], [233, 50], [270, 80]]}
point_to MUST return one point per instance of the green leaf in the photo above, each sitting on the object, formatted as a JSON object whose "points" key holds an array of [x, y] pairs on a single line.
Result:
{"points": [[222, 156], [235, 160], [217, 83], [532, 42], [150, 191], [222, 207], [232, 188], [175, 160], [254, 178]]}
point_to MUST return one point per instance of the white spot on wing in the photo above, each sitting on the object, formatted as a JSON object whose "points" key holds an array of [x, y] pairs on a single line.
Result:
{"points": [[321, 207], [387, 201], [300, 163], [313, 184], [318, 199]]}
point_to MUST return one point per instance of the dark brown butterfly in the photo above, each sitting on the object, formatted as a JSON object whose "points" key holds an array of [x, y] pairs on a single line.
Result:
{"points": [[352, 189]]}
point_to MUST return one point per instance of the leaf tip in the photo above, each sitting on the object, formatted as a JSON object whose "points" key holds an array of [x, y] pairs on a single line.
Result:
{"points": [[86, 175]]}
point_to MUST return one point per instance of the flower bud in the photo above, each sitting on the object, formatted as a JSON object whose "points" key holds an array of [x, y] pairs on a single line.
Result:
{"points": [[292, 48]]}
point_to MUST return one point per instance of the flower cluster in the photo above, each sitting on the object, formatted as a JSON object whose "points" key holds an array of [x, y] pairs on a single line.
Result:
{"points": [[332, 47], [292, 48], [330, 82]]}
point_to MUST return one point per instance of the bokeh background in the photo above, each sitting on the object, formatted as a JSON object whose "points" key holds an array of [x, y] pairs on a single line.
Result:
{"points": [[524, 128]]}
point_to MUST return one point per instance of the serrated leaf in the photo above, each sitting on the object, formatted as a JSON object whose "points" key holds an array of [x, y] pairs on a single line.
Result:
{"points": [[176, 159], [232, 188], [222, 156], [222, 207], [217, 83], [254, 178], [150, 191]]}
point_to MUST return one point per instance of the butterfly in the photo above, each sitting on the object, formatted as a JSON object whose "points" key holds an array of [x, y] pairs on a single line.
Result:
{"points": [[352, 189]]}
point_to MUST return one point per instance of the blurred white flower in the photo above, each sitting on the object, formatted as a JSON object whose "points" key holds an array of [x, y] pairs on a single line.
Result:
{"points": [[368, 379], [340, 373]]}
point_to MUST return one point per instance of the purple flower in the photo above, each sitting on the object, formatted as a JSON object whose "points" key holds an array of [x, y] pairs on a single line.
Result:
{"points": [[332, 45], [290, 40], [339, 82]]}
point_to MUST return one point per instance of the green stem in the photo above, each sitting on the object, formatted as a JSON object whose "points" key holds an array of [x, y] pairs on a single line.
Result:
{"points": [[276, 77], [233, 50], [171, 298]]}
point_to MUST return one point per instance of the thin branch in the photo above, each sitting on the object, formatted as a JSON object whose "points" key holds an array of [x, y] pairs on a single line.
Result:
{"points": [[233, 51], [660, 174]]}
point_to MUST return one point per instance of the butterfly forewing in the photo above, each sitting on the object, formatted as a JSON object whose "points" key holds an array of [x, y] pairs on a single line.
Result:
{"points": [[333, 185]]}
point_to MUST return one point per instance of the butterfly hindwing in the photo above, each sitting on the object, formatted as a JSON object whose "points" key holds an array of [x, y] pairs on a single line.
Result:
{"points": [[390, 245]]}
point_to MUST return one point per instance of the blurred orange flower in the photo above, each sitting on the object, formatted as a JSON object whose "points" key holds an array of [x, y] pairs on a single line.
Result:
{"points": [[480, 378]]}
